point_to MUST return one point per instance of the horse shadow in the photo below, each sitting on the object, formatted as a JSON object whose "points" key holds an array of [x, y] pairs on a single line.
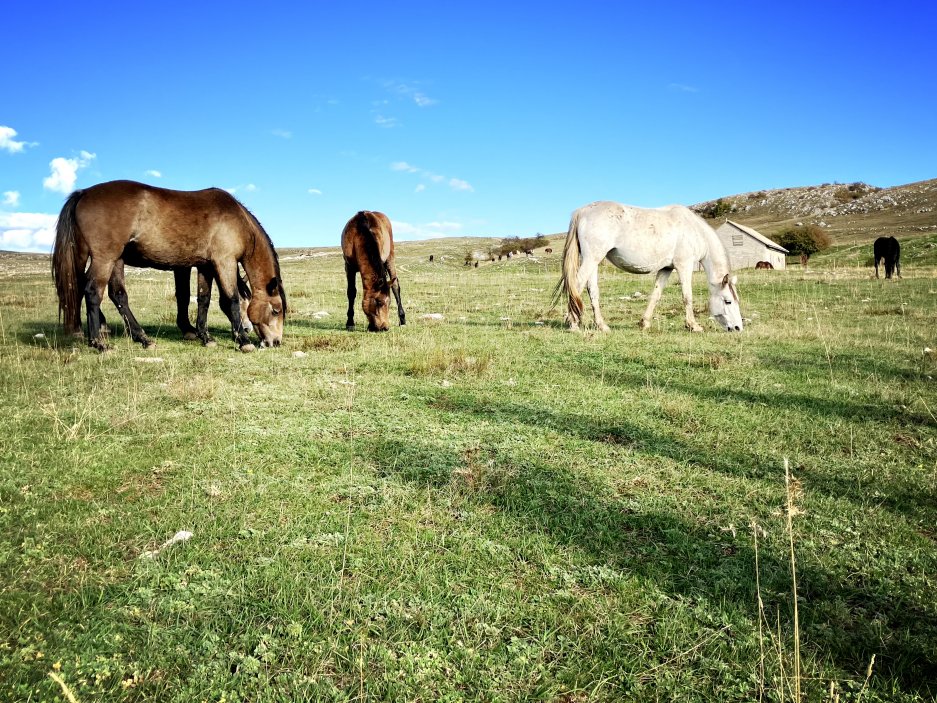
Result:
{"points": [[685, 559]]}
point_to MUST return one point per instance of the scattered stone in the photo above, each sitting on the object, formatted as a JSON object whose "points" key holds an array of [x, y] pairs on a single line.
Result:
{"points": [[299, 354], [322, 313], [432, 316], [149, 359], [180, 536]]}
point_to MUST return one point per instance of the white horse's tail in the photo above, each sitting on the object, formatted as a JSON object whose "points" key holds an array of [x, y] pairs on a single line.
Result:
{"points": [[568, 283]]}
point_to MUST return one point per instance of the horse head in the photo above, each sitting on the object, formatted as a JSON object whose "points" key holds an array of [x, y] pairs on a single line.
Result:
{"points": [[724, 304], [266, 311], [376, 304]]}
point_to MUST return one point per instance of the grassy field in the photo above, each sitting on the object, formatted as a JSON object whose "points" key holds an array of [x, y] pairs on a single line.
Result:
{"points": [[483, 507]]}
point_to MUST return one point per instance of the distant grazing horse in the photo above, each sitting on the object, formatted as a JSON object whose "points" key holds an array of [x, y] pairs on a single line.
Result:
{"points": [[646, 241], [764, 265], [887, 248], [548, 250], [431, 256], [368, 248], [121, 222]]}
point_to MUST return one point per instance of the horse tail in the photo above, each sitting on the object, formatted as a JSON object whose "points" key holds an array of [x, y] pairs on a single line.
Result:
{"points": [[568, 283], [65, 265]]}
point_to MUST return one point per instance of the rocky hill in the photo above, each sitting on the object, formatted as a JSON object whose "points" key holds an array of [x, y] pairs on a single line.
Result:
{"points": [[849, 212]]}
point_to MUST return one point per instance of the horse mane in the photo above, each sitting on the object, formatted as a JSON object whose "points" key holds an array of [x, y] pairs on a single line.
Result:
{"points": [[371, 240], [258, 229]]}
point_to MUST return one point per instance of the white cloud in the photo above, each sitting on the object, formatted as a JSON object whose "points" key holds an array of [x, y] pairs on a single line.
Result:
{"points": [[282, 133], [683, 88], [27, 231], [11, 198], [314, 191], [430, 230], [454, 183], [407, 90], [423, 100], [420, 188], [249, 188], [153, 173], [65, 172], [386, 122], [8, 143]]}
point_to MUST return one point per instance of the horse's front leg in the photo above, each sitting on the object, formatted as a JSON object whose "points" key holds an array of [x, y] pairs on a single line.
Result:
{"points": [[226, 273], [350, 273], [662, 276], [204, 301], [686, 283], [118, 295], [395, 286], [182, 277], [593, 287]]}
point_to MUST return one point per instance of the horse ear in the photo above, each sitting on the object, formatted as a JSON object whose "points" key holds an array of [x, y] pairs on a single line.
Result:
{"points": [[272, 286], [725, 280]]}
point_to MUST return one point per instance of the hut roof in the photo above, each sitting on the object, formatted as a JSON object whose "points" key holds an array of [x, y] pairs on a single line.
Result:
{"points": [[756, 235]]}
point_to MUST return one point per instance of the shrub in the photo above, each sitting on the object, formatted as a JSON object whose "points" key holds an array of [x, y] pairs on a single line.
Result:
{"points": [[804, 241], [720, 208]]}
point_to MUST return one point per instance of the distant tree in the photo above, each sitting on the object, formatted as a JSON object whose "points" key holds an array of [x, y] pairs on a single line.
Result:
{"points": [[720, 208], [804, 241]]}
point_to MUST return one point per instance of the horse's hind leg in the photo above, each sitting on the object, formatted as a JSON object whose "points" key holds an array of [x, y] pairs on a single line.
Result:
{"points": [[662, 276], [118, 295], [204, 301], [395, 286], [182, 277], [876, 266], [350, 273], [593, 287], [95, 282]]}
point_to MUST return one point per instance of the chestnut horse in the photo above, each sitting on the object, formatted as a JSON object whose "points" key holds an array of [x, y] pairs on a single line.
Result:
{"points": [[368, 248], [127, 222]]}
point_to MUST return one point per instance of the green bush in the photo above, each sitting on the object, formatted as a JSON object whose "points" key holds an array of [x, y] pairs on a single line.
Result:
{"points": [[804, 241]]}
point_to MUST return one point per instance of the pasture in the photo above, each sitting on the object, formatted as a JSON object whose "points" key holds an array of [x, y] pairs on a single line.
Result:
{"points": [[478, 507]]}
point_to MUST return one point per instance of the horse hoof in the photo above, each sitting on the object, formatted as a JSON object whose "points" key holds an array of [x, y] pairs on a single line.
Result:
{"points": [[604, 328], [403, 320], [695, 328], [149, 345], [190, 336], [350, 328], [210, 343], [247, 348]]}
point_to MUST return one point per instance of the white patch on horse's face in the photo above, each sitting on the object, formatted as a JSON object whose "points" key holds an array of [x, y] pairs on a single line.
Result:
{"points": [[724, 305]]}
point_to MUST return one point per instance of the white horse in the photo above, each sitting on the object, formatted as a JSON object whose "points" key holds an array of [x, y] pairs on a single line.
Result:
{"points": [[642, 240]]}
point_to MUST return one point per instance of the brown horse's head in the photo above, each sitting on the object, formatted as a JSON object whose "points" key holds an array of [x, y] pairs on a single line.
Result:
{"points": [[376, 304], [267, 311]]}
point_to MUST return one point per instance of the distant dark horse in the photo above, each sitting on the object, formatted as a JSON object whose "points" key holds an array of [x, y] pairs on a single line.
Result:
{"points": [[368, 247], [887, 248], [764, 265], [127, 222]]}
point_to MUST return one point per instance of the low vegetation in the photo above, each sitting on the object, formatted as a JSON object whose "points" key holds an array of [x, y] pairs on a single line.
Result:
{"points": [[479, 505], [804, 241]]}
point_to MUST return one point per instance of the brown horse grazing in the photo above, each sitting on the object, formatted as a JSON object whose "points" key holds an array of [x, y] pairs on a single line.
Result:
{"points": [[127, 222], [368, 247], [764, 265]]}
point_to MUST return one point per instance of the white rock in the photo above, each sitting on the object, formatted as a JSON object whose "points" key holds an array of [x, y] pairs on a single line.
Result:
{"points": [[433, 316], [180, 536], [322, 313], [149, 359], [299, 354]]}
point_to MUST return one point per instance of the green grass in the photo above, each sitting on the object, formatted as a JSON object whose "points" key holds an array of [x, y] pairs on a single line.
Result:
{"points": [[478, 508]]}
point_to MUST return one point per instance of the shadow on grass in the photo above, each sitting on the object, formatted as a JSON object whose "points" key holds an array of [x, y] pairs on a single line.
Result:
{"points": [[846, 620]]}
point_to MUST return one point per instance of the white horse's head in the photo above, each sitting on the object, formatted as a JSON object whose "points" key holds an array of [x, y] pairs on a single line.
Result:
{"points": [[724, 304]]}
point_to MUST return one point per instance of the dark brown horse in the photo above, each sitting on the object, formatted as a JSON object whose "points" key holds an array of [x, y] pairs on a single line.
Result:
{"points": [[127, 222], [887, 248], [764, 265], [368, 248]]}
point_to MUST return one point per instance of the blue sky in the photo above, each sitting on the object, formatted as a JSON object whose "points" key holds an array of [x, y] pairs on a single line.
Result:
{"points": [[487, 119]]}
